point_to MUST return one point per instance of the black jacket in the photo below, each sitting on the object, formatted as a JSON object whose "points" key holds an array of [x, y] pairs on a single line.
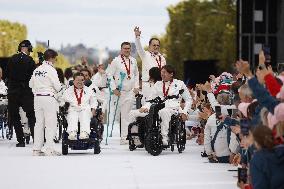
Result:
{"points": [[19, 71]]}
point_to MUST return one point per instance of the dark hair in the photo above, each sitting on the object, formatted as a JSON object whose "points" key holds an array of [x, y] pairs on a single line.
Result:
{"points": [[251, 109], [263, 136], [153, 38], [60, 74], [68, 73], [155, 74], [78, 74], [124, 43], [87, 70], [49, 53], [170, 69]]}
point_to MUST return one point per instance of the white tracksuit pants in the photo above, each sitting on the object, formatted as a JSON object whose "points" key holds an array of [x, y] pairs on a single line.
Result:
{"points": [[125, 105], [84, 117], [165, 114], [133, 116], [46, 119]]}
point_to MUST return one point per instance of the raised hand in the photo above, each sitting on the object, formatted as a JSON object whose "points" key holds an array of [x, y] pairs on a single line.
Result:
{"points": [[137, 31], [243, 67]]}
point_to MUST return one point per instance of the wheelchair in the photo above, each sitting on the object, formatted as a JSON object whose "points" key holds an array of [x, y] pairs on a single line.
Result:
{"points": [[93, 142], [141, 124], [5, 131], [176, 134], [60, 123]]}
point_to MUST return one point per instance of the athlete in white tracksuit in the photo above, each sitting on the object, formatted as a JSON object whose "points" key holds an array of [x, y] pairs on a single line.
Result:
{"points": [[167, 87], [83, 104], [124, 64], [150, 59], [99, 82], [45, 84]]}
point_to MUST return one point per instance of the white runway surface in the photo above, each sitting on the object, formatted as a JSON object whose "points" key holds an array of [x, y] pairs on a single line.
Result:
{"points": [[114, 168]]}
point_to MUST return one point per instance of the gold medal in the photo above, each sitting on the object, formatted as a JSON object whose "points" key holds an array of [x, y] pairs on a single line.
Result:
{"points": [[128, 77]]}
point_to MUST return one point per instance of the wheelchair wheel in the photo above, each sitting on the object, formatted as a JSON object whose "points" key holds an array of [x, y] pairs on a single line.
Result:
{"points": [[181, 137], [172, 148], [64, 149], [154, 144], [27, 138], [97, 148]]}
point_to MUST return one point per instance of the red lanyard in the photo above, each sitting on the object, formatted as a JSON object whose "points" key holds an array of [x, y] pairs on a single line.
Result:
{"points": [[127, 68], [166, 92], [159, 62], [79, 98]]}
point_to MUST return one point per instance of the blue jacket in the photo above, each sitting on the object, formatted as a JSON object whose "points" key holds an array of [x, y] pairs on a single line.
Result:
{"points": [[267, 168], [262, 95]]}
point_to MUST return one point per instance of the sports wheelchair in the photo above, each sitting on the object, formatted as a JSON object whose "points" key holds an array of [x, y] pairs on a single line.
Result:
{"points": [[95, 137], [149, 130]]}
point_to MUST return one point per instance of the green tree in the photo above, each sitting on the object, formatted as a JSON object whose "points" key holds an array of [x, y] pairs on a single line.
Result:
{"points": [[201, 30], [11, 34]]}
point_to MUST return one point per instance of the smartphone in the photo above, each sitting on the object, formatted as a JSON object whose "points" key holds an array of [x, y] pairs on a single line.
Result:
{"points": [[244, 123], [266, 51], [242, 175], [280, 68], [230, 112], [218, 112]]}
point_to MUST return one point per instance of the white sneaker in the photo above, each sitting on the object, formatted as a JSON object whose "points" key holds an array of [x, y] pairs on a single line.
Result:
{"points": [[50, 152], [38, 153], [72, 135], [84, 135], [123, 141]]}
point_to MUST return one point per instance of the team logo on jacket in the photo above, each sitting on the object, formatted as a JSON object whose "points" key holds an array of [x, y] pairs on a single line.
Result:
{"points": [[40, 73]]}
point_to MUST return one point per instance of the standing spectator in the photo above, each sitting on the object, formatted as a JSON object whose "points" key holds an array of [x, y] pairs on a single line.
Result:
{"points": [[19, 71]]}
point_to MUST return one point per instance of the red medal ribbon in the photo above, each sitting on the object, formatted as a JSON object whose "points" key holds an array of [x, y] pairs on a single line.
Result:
{"points": [[79, 98], [166, 92], [127, 68], [159, 62]]}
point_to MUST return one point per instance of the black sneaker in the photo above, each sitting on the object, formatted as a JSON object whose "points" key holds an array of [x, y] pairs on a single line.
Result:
{"points": [[20, 144]]}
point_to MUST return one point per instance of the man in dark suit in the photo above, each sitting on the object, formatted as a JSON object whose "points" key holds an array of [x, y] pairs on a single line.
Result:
{"points": [[19, 71]]}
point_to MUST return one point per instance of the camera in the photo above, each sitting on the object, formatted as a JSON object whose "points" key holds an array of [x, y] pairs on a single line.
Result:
{"points": [[266, 51], [280, 68], [244, 123], [242, 175]]}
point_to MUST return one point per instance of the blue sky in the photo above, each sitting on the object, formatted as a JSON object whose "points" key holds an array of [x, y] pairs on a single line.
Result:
{"points": [[96, 23]]}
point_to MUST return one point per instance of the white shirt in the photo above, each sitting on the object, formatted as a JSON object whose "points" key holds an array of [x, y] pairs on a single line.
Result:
{"points": [[88, 99], [149, 60], [3, 88], [221, 144], [117, 67], [45, 80], [173, 88], [99, 79]]}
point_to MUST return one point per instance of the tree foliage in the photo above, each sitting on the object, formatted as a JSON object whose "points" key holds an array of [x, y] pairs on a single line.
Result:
{"points": [[201, 30], [11, 34]]}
